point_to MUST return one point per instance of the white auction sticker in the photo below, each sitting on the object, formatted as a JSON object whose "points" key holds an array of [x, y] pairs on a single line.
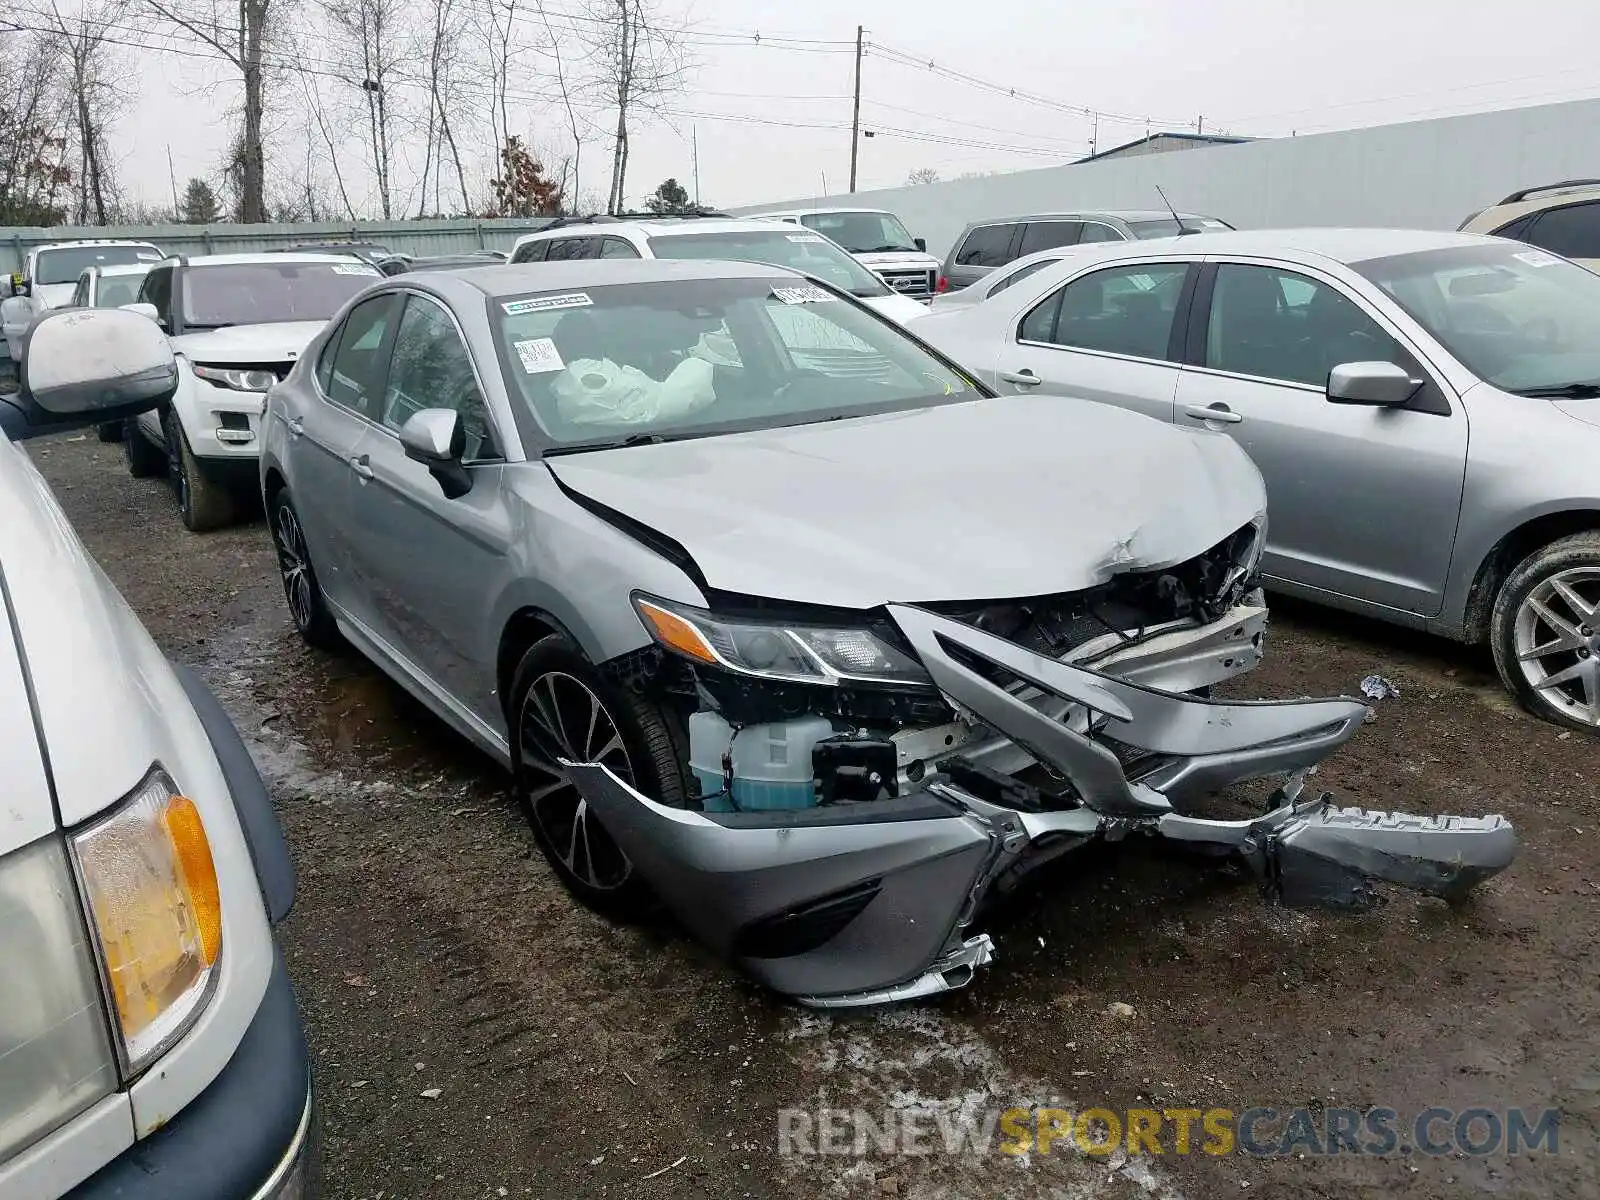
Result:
{"points": [[539, 356], [541, 303], [802, 295], [804, 237], [1536, 258], [353, 269]]}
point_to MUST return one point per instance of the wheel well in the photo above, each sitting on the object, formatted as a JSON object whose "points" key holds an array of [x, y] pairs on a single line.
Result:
{"points": [[1511, 550], [271, 486], [526, 626]]}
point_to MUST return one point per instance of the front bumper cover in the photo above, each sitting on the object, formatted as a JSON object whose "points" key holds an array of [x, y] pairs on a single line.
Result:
{"points": [[863, 903]]}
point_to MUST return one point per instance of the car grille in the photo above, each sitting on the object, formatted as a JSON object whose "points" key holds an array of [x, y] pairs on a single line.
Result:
{"points": [[918, 284]]}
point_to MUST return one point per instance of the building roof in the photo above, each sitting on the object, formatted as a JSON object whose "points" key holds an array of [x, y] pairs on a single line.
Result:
{"points": [[1210, 139]]}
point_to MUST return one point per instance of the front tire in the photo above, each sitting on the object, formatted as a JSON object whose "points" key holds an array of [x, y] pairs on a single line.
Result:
{"points": [[561, 706], [307, 608], [109, 431], [1545, 632], [145, 461], [204, 503]]}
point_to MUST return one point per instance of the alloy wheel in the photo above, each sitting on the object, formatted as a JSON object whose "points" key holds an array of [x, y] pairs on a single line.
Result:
{"points": [[1557, 638], [294, 564], [563, 718]]}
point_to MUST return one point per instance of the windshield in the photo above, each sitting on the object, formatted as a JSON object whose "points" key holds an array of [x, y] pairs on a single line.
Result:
{"points": [[689, 358], [261, 293], [117, 290], [862, 232], [808, 252], [1160, 227], [1519, 318], [67, 263]]}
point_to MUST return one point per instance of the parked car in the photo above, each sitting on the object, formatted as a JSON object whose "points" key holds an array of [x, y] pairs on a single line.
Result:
{"points": [[985, 245], [1422, 406], [237, 323], [733, 238], [998, 280], [773, 622], [397, 264], [878, 239], [149, 1038], [1563, 218], [108, 287], [50, 273], [370, 252]]}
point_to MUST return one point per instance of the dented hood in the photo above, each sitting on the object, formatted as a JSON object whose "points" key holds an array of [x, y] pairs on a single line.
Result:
{"points": [[994, 498], [272, 342]]}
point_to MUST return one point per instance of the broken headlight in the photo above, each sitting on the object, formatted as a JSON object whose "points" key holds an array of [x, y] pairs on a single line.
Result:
{"points": [[778, 650]]}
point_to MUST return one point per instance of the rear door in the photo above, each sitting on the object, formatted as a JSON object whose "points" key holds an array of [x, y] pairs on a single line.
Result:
{"points": [[1112, 334], [1047, 235], [1362, 502], [984, 248]]}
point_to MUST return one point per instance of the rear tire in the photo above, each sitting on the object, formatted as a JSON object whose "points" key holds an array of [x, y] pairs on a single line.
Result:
{"points": [[145, 461], [204, 504], [1545, 632], [110, 431], [556, 689]]}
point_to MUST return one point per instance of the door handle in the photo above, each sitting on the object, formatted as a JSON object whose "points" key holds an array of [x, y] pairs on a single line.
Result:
{"points": [[1213, 412], [361, 467], [1023, 378], [296, 425]]}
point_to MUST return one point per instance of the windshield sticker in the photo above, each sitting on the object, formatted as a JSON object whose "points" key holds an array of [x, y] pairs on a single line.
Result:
{"points": [[147, 256], [802, 295], [804, 237], [1536, 258], [541, 303], [539, 356], [354, 269]]}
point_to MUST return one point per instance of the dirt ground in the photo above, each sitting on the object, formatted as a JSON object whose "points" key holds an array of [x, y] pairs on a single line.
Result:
{"points": [[431, 949]]}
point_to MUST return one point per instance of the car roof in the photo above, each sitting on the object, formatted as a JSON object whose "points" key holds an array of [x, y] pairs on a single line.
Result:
{"points": [[139, 268], [516, 279], [658, 226], [1338, 245], [1078, 214], [269, 258], [811, 212], [76, 242]]}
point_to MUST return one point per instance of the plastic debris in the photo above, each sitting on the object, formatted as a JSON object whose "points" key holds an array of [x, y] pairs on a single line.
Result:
{"points": [[1118, 1009], [1376, 687]]}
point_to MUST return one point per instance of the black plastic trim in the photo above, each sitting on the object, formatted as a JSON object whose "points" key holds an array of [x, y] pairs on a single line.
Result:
{"points": [[269, 851]]}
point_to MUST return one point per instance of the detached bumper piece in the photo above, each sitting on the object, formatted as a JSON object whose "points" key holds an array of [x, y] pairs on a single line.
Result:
{"points": [[860, 903]]}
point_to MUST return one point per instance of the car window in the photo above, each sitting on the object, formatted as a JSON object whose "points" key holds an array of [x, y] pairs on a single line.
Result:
{"points": [[1121, 310], [808, 252], [1573, 231], [1516, 229], [351, 367], [1281, 325], [1099, 231], [531, 251], [615, 247], [862, 232], [157, 290], [986, 246], [1019, 275], [567, 249], [80, 294], [430, 368], [1047, 235], [65, 263], [116, 290]]}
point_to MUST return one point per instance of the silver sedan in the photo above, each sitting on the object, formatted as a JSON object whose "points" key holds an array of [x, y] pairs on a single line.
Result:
{"points": [[1423, 407]]}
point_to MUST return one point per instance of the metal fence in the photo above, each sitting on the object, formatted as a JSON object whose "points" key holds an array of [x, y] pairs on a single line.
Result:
{"points": [[407, 237]]}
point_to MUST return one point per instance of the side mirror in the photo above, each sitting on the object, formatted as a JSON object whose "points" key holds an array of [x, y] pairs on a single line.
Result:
{"points": [[1375, 384], [19, 284], [88, 366], [921, 244], [434, 437], [15, 314]]}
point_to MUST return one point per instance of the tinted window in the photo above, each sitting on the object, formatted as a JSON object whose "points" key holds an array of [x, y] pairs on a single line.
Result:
{"points": [[1097, 231], [1047, 235], [67, 263], [261, 293], [157, 289], [1020, 274], [566, 249], [430, 368], [531, 252], [1573, 231], [352, 363], [1121, 310], [1280, 325], [615, 247], [1516, 229], [986, 246], [800, 251]]}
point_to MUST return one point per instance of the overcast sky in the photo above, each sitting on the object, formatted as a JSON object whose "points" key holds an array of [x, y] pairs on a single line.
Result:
{"points": [[773, 122]]}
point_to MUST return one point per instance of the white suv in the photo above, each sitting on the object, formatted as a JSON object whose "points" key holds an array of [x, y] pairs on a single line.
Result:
{"points": [[50, 273], [237, 322], [878, 239], [729, 238], [150, 1047]]}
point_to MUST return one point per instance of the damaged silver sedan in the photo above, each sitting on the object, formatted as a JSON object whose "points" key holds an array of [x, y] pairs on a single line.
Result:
{"points": [[780, 617]]}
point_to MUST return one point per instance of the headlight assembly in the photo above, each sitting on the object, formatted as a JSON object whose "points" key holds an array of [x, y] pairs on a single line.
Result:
{"points": [[150, 887], [238, 379], [775, 650]]}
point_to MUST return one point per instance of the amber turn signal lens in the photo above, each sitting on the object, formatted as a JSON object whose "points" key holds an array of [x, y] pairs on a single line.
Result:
{"points": [[673, 632]]}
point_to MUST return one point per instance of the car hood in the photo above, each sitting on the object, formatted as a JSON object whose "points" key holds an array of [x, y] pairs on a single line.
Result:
{"points": [[988, 499], [279, 341], [896, 307], [1587, 411], [901, 259]]}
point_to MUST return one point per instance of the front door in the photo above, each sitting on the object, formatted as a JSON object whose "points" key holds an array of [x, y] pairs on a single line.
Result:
{"points": [[1106, 335], [1362, 502], [428, 565]]}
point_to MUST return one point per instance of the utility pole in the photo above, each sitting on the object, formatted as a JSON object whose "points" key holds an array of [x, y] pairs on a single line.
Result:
{"points": [[1094, 135], [694, 151], [1200, 124], [855, 119], [172, 176]]}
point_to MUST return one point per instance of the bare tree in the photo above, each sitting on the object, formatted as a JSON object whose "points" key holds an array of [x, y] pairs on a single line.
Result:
{"points": [[371, 40], [639, 60], [921, 176], [82, 39], [444, 51], [35, 115], [564, 84], [497, 20], [318, 119], [239, 31]]}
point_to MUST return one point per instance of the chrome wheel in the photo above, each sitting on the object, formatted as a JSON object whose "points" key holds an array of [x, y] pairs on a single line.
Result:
{"points": [[294, 565], [562, 717], [1557, 640]]}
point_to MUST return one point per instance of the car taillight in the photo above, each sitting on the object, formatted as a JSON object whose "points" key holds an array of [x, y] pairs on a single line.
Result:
{"points": [[944, 285]]}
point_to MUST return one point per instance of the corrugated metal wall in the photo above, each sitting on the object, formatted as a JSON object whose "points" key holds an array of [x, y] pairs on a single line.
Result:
{"points": [[410, 237], [1421, 174]]}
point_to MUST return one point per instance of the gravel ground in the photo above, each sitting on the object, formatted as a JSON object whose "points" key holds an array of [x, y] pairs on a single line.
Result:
{"points": [[431, 949]]}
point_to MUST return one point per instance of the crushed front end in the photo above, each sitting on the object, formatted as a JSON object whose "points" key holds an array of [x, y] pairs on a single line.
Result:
{"points": [[865, 784]]}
